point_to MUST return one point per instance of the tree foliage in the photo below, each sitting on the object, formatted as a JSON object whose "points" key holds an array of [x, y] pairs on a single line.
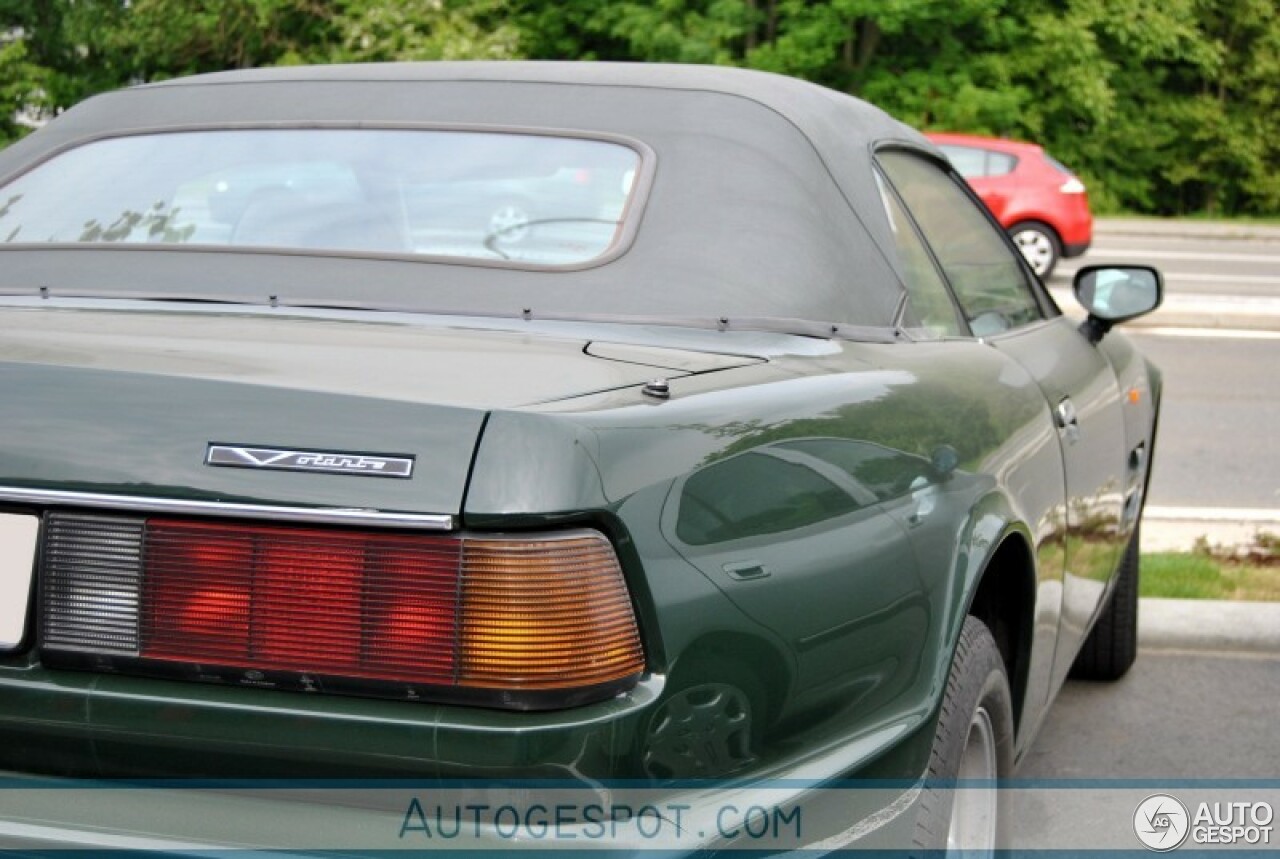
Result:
{"points": [[1166, 107]]}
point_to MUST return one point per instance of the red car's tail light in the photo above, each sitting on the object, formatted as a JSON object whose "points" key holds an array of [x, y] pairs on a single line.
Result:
{"points": [[542, 620], [1072, 186]]}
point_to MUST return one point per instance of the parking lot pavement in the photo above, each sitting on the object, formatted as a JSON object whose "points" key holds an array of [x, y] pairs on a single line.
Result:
{"points": [[1176, 715], [1176, 720], [1199, 703]]}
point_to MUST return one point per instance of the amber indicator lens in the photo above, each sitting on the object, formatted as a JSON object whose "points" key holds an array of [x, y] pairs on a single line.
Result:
{"points": [[537, 611]]}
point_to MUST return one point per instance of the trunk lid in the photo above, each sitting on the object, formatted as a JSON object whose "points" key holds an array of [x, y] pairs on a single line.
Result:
{"points": [[127, 401]]}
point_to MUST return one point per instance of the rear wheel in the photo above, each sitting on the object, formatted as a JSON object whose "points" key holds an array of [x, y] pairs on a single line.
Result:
{"points": [[973, 743], [1112, 644], [1039, 244]]}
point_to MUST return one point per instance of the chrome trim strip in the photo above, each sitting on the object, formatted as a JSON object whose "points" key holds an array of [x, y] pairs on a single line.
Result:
{"points": [[310, 515]]}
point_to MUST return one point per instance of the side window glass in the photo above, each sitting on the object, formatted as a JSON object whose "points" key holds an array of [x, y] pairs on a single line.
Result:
{"points": [[987, 277], [1000, 163], [929, 306], [967, 160]]}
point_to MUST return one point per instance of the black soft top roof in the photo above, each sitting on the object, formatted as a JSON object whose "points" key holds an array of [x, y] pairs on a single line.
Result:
{"points": [[763, 207]]}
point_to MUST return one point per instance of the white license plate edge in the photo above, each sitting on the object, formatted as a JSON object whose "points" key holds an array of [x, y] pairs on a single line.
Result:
{"points": [[18, 535]]}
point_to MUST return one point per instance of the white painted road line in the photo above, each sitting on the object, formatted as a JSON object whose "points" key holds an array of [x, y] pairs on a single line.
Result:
{"points": [[1242, 515], [1261, 304], [1203, 277], [1185, 255], [1207, 333]]}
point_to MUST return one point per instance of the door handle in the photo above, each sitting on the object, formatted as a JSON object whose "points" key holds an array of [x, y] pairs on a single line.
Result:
{"points": [[746, 570], [1065, 416]]}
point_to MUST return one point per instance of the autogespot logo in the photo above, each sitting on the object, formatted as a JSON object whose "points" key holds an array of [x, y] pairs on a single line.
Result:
{"points": [[1161, 822]]}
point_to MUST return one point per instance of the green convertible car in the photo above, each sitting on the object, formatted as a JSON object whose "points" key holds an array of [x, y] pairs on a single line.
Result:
{"points": [[514, 428]]}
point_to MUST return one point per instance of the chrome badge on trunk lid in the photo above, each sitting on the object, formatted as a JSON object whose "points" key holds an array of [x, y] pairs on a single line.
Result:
{"points": [[322, 461]]}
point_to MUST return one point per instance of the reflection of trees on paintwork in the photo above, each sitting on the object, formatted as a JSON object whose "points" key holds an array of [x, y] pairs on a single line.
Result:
{"points": [[157, 224], [916, 419], [4, 210], [788, 485]]}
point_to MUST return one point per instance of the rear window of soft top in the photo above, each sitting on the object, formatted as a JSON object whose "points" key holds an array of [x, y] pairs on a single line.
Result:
{"points": [[538, 200]]}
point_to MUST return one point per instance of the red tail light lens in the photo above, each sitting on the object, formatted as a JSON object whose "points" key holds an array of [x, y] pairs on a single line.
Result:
{"points": [[320, 608], [197, 605], [361, 605]]}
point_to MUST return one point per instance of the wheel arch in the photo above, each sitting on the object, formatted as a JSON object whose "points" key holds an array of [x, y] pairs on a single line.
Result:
{"points": [[1003, 597], [1022, 217]]}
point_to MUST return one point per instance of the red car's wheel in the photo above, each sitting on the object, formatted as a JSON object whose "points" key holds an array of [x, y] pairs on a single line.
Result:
{"points": [[1039, 244]]}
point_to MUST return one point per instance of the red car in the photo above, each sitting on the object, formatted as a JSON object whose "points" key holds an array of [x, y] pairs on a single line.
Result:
{"points": [[1041, 203]]}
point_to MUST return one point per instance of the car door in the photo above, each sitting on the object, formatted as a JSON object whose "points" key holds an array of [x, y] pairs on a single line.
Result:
{"points": [[1001, 303]]}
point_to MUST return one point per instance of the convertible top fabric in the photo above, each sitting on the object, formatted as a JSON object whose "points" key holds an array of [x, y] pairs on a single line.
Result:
{"points": [[763, 204]]}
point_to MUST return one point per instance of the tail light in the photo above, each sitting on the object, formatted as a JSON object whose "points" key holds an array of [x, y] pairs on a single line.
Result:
{"points": [[1072, 186], [528, 622]]}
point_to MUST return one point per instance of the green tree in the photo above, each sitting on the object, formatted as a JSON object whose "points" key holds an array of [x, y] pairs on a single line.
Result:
{"points": [[21, 88], [1163, 107], [156, 39], [387, 30]]}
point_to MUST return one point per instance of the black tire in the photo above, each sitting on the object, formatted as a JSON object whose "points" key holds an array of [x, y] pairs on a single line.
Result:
{"points": [[976, 719], [1039, 244], [1112, 644]]}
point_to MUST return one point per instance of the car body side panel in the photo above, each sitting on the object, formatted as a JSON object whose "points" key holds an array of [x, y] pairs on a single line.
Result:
{"points": [[874, 414], [1140, 390]]}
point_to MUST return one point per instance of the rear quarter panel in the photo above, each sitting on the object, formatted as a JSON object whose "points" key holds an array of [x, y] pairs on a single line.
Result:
{"points": [[851, 629]]}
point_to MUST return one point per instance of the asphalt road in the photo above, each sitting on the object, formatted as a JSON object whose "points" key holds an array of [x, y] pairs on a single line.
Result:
{"points": [[1218, 443], [1191, 265]]}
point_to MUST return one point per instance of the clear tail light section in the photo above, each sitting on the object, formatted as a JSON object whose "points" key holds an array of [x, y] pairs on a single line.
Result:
{"points": [[530, 621]]}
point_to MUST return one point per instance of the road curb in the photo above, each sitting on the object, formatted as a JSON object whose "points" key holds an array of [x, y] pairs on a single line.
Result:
{"points": [[1209, 626], [1177, 529]]}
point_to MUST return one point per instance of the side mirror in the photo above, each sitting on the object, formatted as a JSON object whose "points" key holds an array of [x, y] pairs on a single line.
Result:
{"points": [[1114, 294]]}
